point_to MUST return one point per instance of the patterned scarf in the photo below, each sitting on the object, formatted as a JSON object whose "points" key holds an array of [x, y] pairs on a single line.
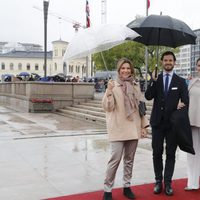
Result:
{"points": [[131, 99]]}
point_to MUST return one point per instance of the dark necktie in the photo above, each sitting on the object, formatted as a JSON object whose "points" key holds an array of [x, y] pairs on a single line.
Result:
{"points": [[166, 84]]}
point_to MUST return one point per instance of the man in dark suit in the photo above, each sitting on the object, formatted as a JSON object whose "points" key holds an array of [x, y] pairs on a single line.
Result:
{"points": [[167, 90]]}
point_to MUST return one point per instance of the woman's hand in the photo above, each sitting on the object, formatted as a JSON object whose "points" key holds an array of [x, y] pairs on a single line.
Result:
{"points": [[111, 85], [144, 133]]}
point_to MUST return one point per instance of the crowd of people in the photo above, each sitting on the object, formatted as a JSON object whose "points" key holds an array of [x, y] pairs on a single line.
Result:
{"points": [[172, 99]]}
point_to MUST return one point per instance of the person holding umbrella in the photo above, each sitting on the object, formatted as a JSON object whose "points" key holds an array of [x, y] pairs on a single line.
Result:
{"points": [[125, 126], [193, 161], [167, 90]]}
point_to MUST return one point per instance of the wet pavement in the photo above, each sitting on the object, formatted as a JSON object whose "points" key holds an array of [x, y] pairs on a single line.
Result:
{"points": [[46, 155]]}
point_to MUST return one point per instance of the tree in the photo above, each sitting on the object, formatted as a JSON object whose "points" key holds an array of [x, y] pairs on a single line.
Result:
{"points": [[131, 50]]}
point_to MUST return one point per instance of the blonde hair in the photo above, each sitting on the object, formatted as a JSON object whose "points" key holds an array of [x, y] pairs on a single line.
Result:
{"points": [[125, 60]]}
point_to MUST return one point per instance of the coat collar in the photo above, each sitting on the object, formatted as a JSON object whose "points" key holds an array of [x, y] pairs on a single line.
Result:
{"points": [[192, 82]]}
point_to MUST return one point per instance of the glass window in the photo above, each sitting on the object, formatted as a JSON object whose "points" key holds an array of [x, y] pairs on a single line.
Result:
{"points": [[56, 52], [28, 67], [63, 52], [19, 66], [36, 67], [11, 66], [3, 67], [55, 66]]}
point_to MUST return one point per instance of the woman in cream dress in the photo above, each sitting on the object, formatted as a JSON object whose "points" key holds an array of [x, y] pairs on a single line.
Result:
{"points": [[193, 161]]}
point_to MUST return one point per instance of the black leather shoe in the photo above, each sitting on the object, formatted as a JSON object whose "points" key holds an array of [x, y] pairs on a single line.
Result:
{"points": [[128, 193], [168, 190], [107, 196], [157, 188]]}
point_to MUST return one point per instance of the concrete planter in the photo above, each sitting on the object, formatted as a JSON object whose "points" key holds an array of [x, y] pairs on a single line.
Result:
{"points": [[41, 105]]}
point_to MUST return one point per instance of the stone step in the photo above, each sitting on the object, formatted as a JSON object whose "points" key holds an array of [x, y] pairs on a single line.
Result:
{"points": [[98, 109], [92, 104], [95, 101], [92, 111], [86, 111], [83, 116]]}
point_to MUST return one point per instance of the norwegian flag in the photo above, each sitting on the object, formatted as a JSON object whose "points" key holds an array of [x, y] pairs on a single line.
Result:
{"points": [[87, 10], [148, 4]]}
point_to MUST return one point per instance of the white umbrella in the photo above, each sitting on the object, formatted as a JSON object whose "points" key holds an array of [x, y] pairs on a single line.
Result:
{"points": [[97, 39]]}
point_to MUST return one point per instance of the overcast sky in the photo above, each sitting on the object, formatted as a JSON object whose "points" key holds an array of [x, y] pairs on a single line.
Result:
{"points": [[21, 22]]}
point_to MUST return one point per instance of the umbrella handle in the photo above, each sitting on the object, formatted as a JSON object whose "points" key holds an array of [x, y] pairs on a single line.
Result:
{"points": [[156, 71]]}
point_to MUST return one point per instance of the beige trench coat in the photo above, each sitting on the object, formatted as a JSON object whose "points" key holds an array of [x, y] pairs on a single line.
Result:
{"points": [[119, 128]]}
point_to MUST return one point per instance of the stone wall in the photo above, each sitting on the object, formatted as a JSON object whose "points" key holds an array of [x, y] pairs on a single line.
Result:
{"points": [[21, 96]]}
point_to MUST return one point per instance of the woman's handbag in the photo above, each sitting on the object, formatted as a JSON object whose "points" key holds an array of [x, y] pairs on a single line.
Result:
{"points": [[142, 108]]}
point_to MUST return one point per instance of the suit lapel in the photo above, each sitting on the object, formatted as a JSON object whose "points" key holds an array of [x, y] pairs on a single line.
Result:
{"points": [[160, 82]]}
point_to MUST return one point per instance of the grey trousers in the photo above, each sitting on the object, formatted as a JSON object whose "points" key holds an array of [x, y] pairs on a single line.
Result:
{"points": [[126, 149]]}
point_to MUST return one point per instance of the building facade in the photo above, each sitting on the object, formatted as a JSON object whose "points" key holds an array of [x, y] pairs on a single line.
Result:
{"points": [[183, 66], [29, 58], [187, 57], [195, 52]]}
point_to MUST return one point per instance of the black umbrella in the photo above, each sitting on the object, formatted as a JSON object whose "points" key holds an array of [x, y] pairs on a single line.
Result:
{"points": [[162, 30]]}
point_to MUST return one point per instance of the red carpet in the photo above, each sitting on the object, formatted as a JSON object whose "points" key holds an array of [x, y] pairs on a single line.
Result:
{"points": [[142, 192]]}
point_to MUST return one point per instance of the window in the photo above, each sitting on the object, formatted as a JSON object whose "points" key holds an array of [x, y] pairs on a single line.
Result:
{"points": [[71, 68], [28, 67], [63, 52], [83, 69], [56, 52], [55, 66], [36, 67], [77, 69], [3, 67], [20, 66], [64, 67], [11, 66]]}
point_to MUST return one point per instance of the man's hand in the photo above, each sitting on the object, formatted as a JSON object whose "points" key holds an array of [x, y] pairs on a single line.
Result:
{"points": [[144, 133]]}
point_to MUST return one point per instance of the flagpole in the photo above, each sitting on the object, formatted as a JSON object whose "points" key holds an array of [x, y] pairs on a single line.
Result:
{"points": [[89, 57], [146, 48]]}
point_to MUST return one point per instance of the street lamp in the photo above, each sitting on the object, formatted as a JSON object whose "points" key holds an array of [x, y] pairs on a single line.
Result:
{"points": [[45, 8]]}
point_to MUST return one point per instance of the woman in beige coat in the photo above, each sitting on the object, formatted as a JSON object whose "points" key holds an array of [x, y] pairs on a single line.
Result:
{"points": [[193, 161], [124, 125]]}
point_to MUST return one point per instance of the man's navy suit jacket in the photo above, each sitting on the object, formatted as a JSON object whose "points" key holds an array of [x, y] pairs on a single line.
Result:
{"points": [[163, 107]]}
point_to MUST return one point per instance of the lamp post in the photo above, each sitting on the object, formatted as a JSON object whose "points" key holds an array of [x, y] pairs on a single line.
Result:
{"points": [[45, 8]]}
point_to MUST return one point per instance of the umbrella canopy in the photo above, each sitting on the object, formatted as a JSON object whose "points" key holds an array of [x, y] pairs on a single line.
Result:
{"points": [[24, 74], [97, 39], [162, 30]]}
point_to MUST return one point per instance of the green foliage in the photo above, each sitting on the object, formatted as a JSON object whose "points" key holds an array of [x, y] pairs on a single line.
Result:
{"points": [[133, 51], [153, 58]]}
